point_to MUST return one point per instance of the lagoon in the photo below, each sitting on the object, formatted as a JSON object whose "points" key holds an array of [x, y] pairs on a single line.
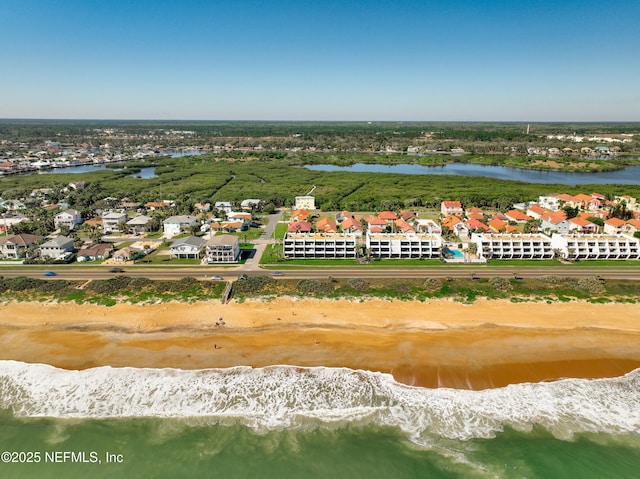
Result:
{"points": [[144, 173], [627, 176]]}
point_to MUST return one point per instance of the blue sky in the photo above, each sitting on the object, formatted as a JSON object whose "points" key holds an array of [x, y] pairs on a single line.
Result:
{"points": [[323, 60]]}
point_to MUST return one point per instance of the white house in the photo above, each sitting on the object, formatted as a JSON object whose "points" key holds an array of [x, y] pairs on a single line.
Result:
{"points": [[223, 249], [189, 247], [449, 208], [175, 224], [15, 246], [57, 247], [112, 221], [305, 203], [68, 218], [614, 226], [224, 206], [428, 226], [140, 224]]}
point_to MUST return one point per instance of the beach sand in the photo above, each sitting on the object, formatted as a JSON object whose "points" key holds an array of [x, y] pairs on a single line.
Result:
{"points": [[435, 343]]}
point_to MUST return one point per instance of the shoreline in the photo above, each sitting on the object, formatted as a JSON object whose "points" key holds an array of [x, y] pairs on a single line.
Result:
{"points": [[440, 343]]}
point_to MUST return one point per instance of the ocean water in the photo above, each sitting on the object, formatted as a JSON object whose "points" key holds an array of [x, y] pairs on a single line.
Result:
{"points": [[289, 422]]}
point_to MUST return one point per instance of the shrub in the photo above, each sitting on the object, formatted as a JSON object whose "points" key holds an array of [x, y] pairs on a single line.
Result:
{"points": [[314, 286], [358, 284], [500, 284], [432, 284], [252, 284], [590, 285]]}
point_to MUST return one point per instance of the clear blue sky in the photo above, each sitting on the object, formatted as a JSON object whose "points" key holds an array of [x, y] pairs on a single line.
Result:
{"points": [[537, 60]]}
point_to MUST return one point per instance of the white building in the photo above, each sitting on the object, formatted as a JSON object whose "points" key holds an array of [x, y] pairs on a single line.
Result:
{"points": [[305, 203], [320, 245], [57, 247], [596, 246], [410, 245], [189, 247], [173, 225], [225, 206], [68, 218], [428, 226], [223, 249], [113, 221], [513, 246], [549, 203], [140, 224]]}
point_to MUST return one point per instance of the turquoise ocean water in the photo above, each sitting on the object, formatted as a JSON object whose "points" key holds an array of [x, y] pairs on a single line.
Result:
{"points": [[288, 422]]}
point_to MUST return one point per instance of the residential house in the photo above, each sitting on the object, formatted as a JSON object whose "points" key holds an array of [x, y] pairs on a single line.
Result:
{"points": [[456, 225], [223, 249], [535, 211], [240, 216], [551, 202], [326, 225], [407, 215], [140, 224], [582, 225], [388, 216], [428, 226], [396, 245], [305, 203], [517, 216], [475, 225], [189, 247], [614, 226], [250, 204], [555, 222], [98, 252], [15, 246], [231, 226], [224, 206], [596, 246], [299, 227], [632, 226], [343, 215], [124, 255], [299, 215], [451, 208], [351, 225], [320, 245], [376, 225], [176, 224], [57, 248], [68, 218], [498, 225], [403, 227], [113, 221], [513, 246], [13, 205], [8, 221]]}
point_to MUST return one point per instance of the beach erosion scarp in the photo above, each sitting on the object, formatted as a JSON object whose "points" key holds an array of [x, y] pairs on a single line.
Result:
{"points": [[439, 343]]}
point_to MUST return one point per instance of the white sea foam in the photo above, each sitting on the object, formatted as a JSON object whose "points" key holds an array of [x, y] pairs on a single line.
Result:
{"points": [[281, 397]]}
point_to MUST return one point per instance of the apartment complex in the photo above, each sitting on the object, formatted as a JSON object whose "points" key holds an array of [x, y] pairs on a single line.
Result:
{"points": [[223, 249], [320, 245], [413, 245], [513, 246], [596, 246]]}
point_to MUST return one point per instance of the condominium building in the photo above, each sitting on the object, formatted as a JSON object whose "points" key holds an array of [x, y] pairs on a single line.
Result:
{"points": [[320, 245], [410, 245], [596, 246], [113, 221], [513, 246], [223, 249]]}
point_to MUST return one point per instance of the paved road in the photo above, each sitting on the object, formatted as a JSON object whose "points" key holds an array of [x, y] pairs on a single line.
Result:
{"points": [[230, 273]]}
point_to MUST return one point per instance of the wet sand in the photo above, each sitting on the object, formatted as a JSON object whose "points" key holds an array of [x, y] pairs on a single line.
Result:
{"points": [[439, 343]]}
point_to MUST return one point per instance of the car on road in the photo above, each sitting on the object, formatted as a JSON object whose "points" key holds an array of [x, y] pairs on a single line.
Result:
{"points": [[116, 270], [277, 273], [49, 273], [217, 278]]}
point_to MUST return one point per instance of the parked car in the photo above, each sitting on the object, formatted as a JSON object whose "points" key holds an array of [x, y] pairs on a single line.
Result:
{"points": [[116, 270], [49, 273]]}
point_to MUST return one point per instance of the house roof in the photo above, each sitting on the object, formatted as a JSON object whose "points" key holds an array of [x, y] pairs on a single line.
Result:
{"points": [[95, 250], [302, 226], [376, 222], [537, 209], [517, 215], [475, 224], [300, 214], [22, 239], [189, 241], [351, 223], [326, 225], [635, 223], [404, 226], [583, 197], [57, 242], [564, 197], [617, 222], [581, 221], [554, 217], [451, 221], [387, 216], [406, 214], [452, 204], [497, 224], [223, 240], [139, 220], [181, 219]]}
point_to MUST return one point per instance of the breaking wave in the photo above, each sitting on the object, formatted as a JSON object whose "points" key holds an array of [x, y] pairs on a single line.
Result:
{"points": [[286, 397]]}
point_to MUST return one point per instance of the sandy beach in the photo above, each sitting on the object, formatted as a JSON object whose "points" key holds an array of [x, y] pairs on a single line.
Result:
{"points": [[436, 343]]}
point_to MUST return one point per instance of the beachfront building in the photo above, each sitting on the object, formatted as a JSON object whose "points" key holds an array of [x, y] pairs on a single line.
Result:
{"points": [[68, 218], [223, 249], [140, 224], [57, 247], [305, 203], [173, 225], [113, 221], [513, 246], [97, 252], [15, 246], [187, 248], [596, 246], [320, 245], [410, 245]]}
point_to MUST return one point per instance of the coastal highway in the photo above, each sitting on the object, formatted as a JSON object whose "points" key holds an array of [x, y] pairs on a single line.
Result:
{"points": [[205, 272]]}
